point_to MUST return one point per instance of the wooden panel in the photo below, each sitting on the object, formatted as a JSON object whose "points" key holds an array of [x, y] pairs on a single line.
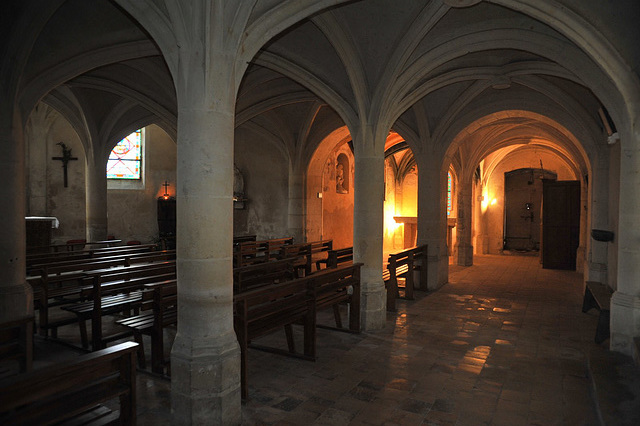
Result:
{"points": [[561, 224]]}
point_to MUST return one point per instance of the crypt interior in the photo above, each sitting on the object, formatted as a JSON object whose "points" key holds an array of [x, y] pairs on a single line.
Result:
{"points": [[378, 124]]}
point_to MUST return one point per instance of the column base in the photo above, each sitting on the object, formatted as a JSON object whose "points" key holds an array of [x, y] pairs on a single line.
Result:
{"points": [[205, 381], [438, 270], [16, 301], [373, 305], [581, 258], [625, 322], [465, 254]]}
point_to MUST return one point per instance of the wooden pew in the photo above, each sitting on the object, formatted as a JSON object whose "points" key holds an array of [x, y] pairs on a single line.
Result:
{"points": [[243, 239], [311, 251], [73, 391], [257, 275], [597, 295], [336, 258], [58, 283], [97, 252], [319, 252], [402, 265], [260, 311], [16, 343], [71, 245], [333, 286], [113, 292], [159, 309], [301, 252], [251, 252]]}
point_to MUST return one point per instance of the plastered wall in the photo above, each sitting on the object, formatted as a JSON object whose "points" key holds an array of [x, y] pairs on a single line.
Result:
{"points": [[337, 200]]}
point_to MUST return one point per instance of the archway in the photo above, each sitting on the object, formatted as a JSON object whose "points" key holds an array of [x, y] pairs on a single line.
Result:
{"points": [[494, 147]]}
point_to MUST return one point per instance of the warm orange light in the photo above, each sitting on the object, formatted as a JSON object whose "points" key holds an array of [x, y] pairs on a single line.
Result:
{"points": [[493, 201]]}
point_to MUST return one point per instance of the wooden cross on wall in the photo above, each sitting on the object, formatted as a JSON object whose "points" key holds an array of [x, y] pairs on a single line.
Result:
{"points": [[66, 157]]}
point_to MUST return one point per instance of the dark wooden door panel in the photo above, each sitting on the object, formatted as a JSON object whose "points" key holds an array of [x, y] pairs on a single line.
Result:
{"points": [[560, 224]]}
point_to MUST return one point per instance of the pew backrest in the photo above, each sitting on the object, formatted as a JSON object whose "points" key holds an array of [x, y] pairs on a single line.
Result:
{"points": [[69, 389], [251, 276]]}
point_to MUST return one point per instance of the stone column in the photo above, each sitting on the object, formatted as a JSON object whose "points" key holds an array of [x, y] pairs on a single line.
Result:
{"points": [[464, 248], [482, 238], [368, 226], [205, 359], [625, 303], [296, 220], [585, 233], [432, 217], [96, 195], [596, 267], [16, 297], [36, 143]]}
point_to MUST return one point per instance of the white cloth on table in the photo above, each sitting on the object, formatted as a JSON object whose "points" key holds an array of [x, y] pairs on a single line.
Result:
{"points": [[55, 223]]}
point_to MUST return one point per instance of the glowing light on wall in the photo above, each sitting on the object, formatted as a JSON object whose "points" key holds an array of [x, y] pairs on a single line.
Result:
{"points": [[484, 204]]}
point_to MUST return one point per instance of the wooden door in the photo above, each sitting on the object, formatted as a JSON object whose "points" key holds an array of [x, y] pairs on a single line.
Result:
{"points": [[560, 224], [523, 199]]}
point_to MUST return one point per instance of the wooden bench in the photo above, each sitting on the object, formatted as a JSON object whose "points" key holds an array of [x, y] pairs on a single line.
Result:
{"points": [[319, 252], [160, 306], [336, 258], [257, 275], [114, 292], [86, 254], [597, 295], [58, 284], [302, 253], [402, 265], [16, 344], [334, 286], [73, 391], [263, 310], [243, 239], [309, 251], [250, 252]]}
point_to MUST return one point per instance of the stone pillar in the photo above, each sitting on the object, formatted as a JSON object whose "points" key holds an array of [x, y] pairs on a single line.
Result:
{"points": [[432, 217], [296, 220], [16, 297], [368, 226], [596, 267], [482, 238], [464, 248], [585, 233], [205, 358], [96, 194], [36, 143], [625, 303]]}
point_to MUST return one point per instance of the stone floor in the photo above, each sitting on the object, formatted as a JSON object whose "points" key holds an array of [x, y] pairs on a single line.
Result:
{"points": [[504, 343]]}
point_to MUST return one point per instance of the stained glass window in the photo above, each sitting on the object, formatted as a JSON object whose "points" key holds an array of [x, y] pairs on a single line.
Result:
{"points": [[125, 160], [449, 202]]}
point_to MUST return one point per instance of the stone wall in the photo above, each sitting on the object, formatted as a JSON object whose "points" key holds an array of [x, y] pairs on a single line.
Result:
{"points": [[131, 212], [265, 170], [337, 199]]}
